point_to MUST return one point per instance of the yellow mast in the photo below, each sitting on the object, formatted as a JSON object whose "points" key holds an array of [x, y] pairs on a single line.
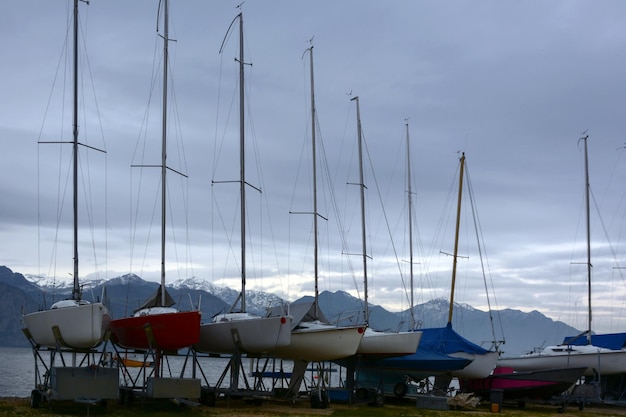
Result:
{"points": [[456, 238]]}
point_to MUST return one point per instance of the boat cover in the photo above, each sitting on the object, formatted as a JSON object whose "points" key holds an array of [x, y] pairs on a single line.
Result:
{"points": [[445, 340], [155, 300], [433, 353], [615, 341], [424, 360]]}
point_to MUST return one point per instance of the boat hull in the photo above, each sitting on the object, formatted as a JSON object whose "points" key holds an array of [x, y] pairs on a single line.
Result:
{"points": [[602, 362], [321, 343], [80, 327], [481, 367], [169, 331], [387, 344], [250, 335], [535, 385], [419, 365]]}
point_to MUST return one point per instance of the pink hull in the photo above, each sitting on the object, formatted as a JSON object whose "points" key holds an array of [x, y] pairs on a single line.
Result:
{"points": [[172, 331], [542, 384]]}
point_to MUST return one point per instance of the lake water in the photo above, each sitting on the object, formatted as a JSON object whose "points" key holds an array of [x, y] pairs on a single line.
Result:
{"points": [[17, 370]]}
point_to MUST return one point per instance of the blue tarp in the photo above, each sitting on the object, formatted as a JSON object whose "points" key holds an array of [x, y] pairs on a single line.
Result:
{"points": [[425, 360], [433, 352], [615, 341], [445, 340]]}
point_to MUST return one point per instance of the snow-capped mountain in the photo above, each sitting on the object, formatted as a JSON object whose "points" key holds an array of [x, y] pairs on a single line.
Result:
{"points": [[256, 301], [50, 283]]}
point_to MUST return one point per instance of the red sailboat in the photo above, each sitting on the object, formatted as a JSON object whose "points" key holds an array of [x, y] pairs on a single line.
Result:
{"points": [[156, 325]]}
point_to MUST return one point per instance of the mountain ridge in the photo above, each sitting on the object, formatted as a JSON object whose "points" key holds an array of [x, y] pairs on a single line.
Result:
{"points": [[126, 292]]}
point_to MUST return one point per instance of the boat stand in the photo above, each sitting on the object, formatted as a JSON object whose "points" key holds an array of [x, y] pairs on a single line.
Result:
{"points": [[148, 381], [233, 375], [88, 376]]}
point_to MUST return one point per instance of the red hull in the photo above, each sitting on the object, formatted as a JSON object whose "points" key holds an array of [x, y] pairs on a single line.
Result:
{"points": [[172, 331]]}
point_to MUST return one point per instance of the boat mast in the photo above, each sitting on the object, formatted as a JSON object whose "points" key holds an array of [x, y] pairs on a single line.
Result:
{"points": [[242, 167], [314, 162], [76, 293], [164, 146], [410, 201], [362, 186], [584, 139], [456, 238]]}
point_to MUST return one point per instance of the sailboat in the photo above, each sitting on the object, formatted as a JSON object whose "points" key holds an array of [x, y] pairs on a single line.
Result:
{"points": [[156, 325], [73, 323], [442, 352], [599, 354], [313, 338], [240, 331], [377, 343], [445, 339]]}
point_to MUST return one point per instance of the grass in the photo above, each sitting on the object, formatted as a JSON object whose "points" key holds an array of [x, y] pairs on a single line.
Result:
{"points": [[240, 408]]}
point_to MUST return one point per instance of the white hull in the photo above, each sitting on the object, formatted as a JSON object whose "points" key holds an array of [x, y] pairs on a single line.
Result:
{"points": [[247, 333], [387, 344], [595, 359], [481, 367], [317, 342], [80, 327]]}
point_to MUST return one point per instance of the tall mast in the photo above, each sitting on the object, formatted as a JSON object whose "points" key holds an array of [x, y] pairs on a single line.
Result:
{"points": [[584, 139], [410, 200], [164, 145], [242, 166], [456, 237], [314, 162], [363, 234], [76, 289]]}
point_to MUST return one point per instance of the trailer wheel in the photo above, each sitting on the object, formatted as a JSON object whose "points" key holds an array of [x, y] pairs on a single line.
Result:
{"points": [[207, 397], [319, 399], [361, 395], [122, 397], [610, 396], [377, 398], [399, 390], [35, 398], [129, 398]]}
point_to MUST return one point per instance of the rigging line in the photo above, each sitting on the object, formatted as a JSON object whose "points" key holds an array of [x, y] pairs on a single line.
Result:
{"points": [[172, 229], [480, 244], [441, 228], [606, 235], [182, 161], [385, 217], [325, 170], [230, 251], [89, 209], [154, 210], [401, 221], [342, 230], [141, 144]]}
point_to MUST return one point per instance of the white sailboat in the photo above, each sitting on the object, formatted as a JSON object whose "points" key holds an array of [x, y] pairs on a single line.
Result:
{"points": [[597, 359], [241, 331], [73, 323], [313, 338], [377, 343]]}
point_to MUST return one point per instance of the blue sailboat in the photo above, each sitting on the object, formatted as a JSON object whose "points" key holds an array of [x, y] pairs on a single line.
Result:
{"points": [[442, 352]]}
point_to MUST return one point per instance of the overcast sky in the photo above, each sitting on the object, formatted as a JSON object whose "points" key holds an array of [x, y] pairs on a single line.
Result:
{"points": [[512, 85]]}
